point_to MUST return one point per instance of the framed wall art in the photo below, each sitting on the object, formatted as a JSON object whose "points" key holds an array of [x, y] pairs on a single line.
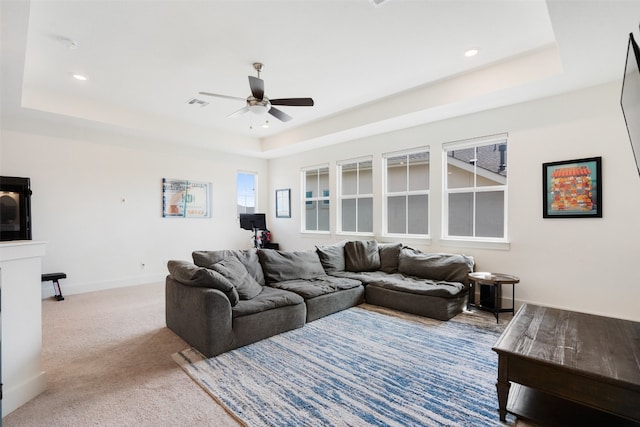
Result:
{"points": [[572, 188], [185, 199], [283, 203]]}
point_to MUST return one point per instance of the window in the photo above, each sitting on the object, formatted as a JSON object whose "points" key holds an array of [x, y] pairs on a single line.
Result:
{"points": [[407, 193], [247, 196], [475, 177], [316, 199], [356, 196]]}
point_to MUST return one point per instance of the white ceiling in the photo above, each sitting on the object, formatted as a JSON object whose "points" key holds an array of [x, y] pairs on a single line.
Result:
{"points": [[369, 69]]}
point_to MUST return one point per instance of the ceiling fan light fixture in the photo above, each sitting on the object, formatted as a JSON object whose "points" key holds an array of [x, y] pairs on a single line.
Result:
{"points": [[258, 109]]}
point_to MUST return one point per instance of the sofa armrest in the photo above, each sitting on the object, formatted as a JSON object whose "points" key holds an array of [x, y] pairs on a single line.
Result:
{"points": [[200, 316]]}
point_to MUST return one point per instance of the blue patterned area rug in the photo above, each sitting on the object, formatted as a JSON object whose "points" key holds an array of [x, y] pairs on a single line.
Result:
{"points": [[358, 368]]}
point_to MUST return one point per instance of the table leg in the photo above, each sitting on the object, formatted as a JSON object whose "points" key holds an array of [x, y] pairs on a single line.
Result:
{"points": [[502, 386], [497, 303]]}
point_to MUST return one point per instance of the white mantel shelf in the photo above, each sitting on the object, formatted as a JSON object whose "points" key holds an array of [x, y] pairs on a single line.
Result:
{"points": [[21, 322]]}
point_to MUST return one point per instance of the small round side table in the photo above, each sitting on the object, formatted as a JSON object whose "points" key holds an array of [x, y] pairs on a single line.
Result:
{"points": [[491, 291]]}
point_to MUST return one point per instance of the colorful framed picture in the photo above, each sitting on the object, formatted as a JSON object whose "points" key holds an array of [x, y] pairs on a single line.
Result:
{"points": [[283, 203], [572, 188]]}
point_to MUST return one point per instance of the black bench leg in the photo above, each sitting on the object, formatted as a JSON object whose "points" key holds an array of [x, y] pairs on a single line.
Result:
{"points": [[58, 291]]}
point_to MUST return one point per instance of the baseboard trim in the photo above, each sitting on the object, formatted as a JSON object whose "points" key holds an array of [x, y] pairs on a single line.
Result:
{"points": [[81, 288], [14, 396]]}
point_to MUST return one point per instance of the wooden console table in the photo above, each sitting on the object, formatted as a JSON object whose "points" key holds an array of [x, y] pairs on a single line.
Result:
{"points": [[557, 364]]}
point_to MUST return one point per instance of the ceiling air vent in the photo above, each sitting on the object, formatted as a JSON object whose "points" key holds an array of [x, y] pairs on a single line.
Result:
{"points": [[196, 101]]}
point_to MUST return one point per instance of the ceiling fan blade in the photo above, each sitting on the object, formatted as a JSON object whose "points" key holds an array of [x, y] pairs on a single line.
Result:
{"points": [[257, 87], [221, 96], [294, 102], [238, 113], [280, 115]]}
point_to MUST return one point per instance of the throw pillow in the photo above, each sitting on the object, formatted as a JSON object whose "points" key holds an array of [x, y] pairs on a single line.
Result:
{"points": [[362, 255], [389, 254], [438, 266], [233, 270], [192, 275], [279, 266], [248, 258], [332, 257]]}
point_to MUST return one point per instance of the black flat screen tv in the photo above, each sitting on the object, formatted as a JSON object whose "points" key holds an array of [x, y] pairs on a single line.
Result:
{"points": [[252, 221], [630, 99]]}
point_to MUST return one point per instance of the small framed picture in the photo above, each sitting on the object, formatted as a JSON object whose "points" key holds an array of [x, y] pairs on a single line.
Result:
{"points": [[572, 188], [283, 203]]}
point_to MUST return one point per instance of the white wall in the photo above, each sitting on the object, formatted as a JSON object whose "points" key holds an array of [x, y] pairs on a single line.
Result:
{"points": [[80, 179], [583, 264], [97, 201]]}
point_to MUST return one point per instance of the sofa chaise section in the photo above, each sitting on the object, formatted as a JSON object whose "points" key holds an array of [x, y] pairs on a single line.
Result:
{"points": [[427, 284], [402, 278]]}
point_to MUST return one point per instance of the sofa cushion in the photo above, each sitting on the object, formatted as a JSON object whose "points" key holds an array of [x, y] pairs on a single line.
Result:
{"points": [[364, 277], [389, 256], [192, 275], [332, 257], [248, 257], [234, 271], [268, 299], [419, 286], [362, 255], [444, 267], [311, 288], [279, 266]]}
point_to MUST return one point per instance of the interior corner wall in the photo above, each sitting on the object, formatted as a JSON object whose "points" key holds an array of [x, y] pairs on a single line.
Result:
{"points": [[98, 205], [585, 264]]}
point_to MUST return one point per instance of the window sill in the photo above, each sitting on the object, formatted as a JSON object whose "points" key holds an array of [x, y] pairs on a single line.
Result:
{"points": [[396, 238], [354, 234], [315, 233], [476, 244]]}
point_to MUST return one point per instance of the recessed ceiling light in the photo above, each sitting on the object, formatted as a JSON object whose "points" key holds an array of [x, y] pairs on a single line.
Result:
{"points": [[471, 52], [79, 77]]}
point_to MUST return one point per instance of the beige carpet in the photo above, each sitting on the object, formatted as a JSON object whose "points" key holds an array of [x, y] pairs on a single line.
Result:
{"points": [[108, 359]]}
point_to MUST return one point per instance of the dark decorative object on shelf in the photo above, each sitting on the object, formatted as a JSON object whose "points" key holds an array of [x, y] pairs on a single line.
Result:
{"points": [[15, 208]]}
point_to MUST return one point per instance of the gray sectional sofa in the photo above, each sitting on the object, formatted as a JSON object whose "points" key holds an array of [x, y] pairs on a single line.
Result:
{"points": [[230, 298]]}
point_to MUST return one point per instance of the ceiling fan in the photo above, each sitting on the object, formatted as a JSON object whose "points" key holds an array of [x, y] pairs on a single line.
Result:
{"points": [[259, 104]]}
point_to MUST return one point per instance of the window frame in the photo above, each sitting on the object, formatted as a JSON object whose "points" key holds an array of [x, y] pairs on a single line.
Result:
{"points": [[340, 197], [474, 189], [324, 199], [406, 193], [255, 191]]}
